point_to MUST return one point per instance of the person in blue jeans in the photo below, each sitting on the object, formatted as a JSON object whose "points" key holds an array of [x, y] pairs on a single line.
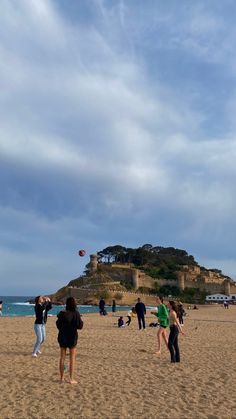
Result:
{"points": [[41, 308]]}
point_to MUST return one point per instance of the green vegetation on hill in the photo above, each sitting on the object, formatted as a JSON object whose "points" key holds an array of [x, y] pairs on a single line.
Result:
{"points": [[159, 263], [155, 261], [188, 295]]}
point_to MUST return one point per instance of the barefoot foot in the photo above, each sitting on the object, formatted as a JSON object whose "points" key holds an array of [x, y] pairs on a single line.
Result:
{"points": [[73, 382]]}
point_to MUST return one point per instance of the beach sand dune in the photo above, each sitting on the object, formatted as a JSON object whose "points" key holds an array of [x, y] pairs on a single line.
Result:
{"points": [[119, 375]]}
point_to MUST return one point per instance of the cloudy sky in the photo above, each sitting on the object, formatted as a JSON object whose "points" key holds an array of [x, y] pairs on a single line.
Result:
{"points": [[117, 127]]}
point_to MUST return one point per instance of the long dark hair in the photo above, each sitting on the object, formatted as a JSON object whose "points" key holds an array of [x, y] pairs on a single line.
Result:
{"points": [[160, 298], [70, 304], [37, 299], [174, 307]]}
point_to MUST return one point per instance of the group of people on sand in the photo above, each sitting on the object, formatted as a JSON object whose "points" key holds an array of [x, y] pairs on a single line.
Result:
{"points": [[68, 322], [122, 323], [170, 315]]}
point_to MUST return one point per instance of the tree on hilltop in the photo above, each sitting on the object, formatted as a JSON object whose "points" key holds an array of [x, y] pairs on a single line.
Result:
{"points": [[167, 258]]}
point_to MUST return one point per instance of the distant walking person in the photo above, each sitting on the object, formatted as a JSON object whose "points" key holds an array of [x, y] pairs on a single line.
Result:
{"points": [[181, 313], [226, 304], [0, 308], [140, 311], [41, 308], [175, 328], [113, 306], [102, 304], [68, 322]]}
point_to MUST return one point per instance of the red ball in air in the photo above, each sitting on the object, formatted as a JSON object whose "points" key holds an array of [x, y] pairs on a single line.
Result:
{"points": [[81, 252]]}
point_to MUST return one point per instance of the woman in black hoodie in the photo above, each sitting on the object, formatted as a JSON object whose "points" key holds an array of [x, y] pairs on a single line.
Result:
{"points": [[68, 322]]}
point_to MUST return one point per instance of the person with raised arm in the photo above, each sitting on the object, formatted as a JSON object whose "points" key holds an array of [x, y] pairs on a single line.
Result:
{"points": [[42, 306]]}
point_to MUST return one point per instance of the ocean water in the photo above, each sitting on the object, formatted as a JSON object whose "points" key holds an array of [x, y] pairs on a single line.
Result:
{"points": [[19, 306]]}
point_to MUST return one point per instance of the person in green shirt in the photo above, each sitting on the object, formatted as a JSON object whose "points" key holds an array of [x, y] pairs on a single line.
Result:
{"points": [[163, 319]]}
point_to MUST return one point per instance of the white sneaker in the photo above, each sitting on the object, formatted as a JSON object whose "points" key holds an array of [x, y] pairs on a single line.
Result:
{"points": [[34, 355]]}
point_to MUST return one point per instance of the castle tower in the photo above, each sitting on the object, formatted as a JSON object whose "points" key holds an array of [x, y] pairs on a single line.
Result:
{"points": [[135, 278], [93, 262], [227, 287], [181, 281]]}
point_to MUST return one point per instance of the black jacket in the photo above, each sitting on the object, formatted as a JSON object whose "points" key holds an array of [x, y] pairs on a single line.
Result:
{"points": [[67, 323], [140, 309], [41, 312]]}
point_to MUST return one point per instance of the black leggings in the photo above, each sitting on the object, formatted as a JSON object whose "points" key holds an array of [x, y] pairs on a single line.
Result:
{"points": [[173, 344]]}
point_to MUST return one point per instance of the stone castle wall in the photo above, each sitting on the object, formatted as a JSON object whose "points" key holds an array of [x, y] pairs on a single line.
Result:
{"points": [[195, 274], [118, 272], [127, 298], [144, 280], [233, 289], [190, 276], [211, 288]]}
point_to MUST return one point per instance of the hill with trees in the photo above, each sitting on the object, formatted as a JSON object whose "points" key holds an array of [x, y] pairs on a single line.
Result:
{"points": [[156, 261], [161, 264]]}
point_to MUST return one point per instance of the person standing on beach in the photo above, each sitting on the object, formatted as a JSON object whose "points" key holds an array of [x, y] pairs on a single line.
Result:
{"points": [[175, 329], [102, 304], [68, 323], [41, 308], [226, 304], [140, 311], [163, 317], [0, 308], [113, 306], [181, 312]]}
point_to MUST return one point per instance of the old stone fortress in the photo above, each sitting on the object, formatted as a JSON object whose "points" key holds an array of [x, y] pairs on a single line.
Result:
{"points": [[108, 276]]}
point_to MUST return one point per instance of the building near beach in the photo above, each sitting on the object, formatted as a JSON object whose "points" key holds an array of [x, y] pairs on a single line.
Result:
{"points": [[219, 298]]}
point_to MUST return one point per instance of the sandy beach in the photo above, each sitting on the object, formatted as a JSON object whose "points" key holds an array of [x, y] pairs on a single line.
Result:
{"points": [[119, 375]]}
